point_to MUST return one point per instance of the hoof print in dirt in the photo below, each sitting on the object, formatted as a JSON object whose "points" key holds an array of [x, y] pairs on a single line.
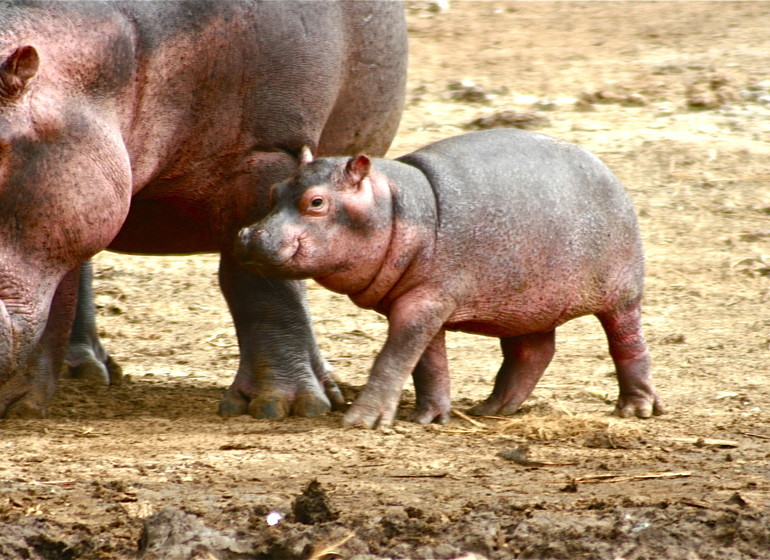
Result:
{"points": [[172, 533], [312, 506]]}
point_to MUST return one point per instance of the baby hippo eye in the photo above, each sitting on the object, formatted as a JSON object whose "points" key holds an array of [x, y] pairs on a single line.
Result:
{"points": [[315, 204]]}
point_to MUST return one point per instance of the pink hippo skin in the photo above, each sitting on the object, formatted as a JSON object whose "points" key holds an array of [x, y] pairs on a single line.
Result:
{"points": [[158, 128], [502, 233]]}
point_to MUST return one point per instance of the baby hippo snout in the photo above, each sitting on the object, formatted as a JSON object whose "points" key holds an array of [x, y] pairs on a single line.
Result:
{"points": [[251, 246], [266, 246]]}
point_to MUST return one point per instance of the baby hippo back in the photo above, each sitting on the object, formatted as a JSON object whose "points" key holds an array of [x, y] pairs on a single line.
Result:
{"points": [[531, 231]]}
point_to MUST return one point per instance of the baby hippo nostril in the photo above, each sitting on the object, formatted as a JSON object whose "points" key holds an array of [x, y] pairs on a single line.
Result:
{"points": [[253, 245], [247, 235], [244, 244]]}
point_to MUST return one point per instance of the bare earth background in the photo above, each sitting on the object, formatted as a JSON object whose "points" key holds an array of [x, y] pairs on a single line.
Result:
{"points": [[675, 97]]}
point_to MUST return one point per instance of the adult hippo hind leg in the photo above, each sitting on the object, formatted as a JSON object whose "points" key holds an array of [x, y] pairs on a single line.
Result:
{"points": [[281, 371], [86, 358]]}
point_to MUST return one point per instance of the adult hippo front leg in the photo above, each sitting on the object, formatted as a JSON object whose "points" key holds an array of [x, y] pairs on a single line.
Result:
{"points": [[86, 357], [28, 395], [281, 371]]}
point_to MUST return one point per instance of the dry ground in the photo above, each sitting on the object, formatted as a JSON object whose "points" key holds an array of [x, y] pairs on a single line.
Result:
{"points": [[675, 97]]}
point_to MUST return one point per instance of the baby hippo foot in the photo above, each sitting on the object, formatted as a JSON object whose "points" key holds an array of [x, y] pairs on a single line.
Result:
{"points": [[371, 411], [492, 405], [425, 413], [642, 405], [434, 403]]}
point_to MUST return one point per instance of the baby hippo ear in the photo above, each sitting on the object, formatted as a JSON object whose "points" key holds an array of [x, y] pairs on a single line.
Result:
{"points": [[305, 156], [358, 168]]}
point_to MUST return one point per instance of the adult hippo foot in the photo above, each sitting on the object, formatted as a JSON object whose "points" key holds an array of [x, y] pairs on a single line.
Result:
{"points": [[274, 404], [86, 358], [96, 372], [93, 366], [640, 405], [26, 408], [307, 396], [30, 405]]}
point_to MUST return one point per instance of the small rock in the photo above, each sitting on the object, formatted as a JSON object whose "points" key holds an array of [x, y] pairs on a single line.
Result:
{"points": [[509, 119], [618, 95], [440, 6], [468, 91], [710, 91], [635, 100], [546, 105], [674, 338], [664, 109], [584, 105], [554, 104]]}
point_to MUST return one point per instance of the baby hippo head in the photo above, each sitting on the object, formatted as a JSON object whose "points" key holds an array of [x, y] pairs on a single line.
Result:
{"points": [[331, 219]]}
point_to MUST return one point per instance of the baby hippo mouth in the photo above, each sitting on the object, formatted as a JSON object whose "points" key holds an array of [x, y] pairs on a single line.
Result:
{"points": [[258, 247]]}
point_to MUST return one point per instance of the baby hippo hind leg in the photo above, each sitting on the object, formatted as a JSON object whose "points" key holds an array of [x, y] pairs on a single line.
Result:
{"points": [[525, 358], [632, 363], [431, 384]]}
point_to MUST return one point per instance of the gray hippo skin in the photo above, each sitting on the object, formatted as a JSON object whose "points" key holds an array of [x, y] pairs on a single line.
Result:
{"points": [[503, 233], [158, 128]]}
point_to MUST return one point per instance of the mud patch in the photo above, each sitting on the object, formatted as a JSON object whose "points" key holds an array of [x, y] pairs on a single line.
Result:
{"points": [[312, 506]]}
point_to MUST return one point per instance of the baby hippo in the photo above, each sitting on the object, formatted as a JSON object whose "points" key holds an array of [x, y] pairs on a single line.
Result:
{"points": [[503, 233]]}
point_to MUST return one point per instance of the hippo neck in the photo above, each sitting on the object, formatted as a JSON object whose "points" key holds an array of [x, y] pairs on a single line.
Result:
{"points": [[412, 237]]}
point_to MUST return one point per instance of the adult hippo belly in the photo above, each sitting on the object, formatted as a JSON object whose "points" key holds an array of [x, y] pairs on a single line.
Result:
{"points": [[158, 128]]}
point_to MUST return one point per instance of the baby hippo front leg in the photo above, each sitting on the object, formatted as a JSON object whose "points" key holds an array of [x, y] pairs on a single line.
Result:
{"points": [[413, 325]]}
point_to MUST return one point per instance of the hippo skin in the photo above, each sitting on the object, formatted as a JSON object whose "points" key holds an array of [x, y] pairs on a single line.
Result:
{"points": [[158, 128], [502, 233]]}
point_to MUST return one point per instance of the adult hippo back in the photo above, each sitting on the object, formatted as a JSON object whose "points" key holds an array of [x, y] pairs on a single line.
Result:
{"points": [[158, 127]]}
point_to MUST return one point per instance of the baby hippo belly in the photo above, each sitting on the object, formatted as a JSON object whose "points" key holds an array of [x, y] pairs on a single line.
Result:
{"points": [[531, 299], [505, 320]]}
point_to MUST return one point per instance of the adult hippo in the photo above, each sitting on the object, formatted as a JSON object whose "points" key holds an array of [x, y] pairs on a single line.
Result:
{"points": [[144, 127]]}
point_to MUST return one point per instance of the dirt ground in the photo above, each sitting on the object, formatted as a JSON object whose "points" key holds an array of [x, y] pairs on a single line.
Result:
{"points": [[675, 98]]}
